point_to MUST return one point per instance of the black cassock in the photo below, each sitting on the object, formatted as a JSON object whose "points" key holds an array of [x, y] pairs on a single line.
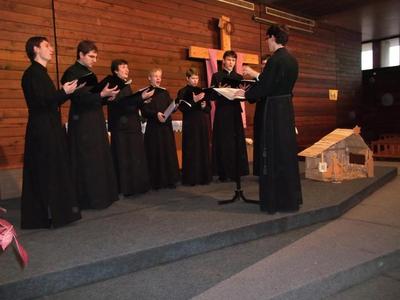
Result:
{"points": [[257, 135], [159, 141], [229, 154], [280, 188], [92, 164], [127, 144], [196, 152], [47, 189]]}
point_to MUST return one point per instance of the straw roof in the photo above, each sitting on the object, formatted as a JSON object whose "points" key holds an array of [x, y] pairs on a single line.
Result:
{"points": [[330, 140]]}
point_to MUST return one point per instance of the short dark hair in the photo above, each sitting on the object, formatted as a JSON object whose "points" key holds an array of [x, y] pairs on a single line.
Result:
{"points": [[116, 63], [192, 71], [280, 32], [32, 42], [230, 53], [85, 47]]}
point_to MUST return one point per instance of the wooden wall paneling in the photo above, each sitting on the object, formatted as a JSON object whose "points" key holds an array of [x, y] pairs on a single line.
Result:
{"points": [[158, 33], [137, 30], [19, 20]]}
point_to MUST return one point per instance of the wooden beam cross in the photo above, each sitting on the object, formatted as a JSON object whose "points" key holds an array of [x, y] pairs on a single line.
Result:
{"points": [[225, 26]]}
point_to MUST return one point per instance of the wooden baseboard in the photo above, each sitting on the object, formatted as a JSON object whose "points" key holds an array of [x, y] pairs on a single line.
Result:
{"points": [[10, 183]]}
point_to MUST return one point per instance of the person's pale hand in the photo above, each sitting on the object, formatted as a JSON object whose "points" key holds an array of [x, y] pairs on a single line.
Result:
{"points": [[147, 94], [223, 86], [70, 86], [249, 72], [197, 98], [112, 98], [106, 92], [244, 86], [239, 93], [161, 117]]}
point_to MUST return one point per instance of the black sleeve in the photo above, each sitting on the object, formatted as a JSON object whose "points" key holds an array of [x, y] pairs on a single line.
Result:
{"points": [[266, 81], [214, 80], [186, 94], [130, 102], [83, 95], [32, 85]]}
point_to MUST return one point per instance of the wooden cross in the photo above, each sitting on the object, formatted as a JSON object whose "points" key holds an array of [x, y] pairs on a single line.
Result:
{"points": [[225, 29]]}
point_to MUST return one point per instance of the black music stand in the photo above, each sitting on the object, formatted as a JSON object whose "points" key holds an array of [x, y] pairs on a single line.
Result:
{"points": [[238, 192]]}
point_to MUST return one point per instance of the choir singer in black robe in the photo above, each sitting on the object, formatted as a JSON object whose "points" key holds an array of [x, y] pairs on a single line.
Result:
{"points": [[92, 164], [229, 153], [48, 194], [124, 124], [159, 139], [196, 163], [280, 188]]}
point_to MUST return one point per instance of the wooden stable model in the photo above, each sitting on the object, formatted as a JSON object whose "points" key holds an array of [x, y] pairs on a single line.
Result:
{"points": [[340, 155]]}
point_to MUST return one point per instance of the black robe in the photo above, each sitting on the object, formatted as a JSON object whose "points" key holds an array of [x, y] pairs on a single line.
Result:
{"points": [[280, 188], [47, 190], [127, 145], [92, 164], [257, 135], [229, 153], [196, 152], [159, 141]]}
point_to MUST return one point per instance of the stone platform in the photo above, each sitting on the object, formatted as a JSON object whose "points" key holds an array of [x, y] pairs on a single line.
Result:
{"points": [[160, 227]]}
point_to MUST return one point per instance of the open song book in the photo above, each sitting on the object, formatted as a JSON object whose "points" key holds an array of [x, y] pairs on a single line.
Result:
{"points": [[236, 83], [172, 107], [112, 81], [89, 79], [228, 93]]}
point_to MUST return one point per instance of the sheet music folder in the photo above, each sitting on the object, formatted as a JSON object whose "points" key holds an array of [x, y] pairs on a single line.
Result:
{"points": [[88, 78], [235, 83], [112, 81], [148, 88], [228, 93], [172, 107]]}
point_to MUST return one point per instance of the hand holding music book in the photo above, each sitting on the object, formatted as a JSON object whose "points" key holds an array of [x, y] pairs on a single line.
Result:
{"points": [[139, 92], [112, 81], [89, 79], [228, 93], [173, 106], [235, 82]]}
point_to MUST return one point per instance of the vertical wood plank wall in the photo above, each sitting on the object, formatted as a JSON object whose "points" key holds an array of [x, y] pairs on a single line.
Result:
{"points": [[158, 33], [19, 20]]}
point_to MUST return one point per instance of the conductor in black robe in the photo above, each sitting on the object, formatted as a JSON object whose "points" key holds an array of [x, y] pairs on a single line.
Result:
{"points": [[280, 188], [196, 151], [257, 125], [229, 153], [48, 193], [159, 137], [92, 164], [124, 124]]}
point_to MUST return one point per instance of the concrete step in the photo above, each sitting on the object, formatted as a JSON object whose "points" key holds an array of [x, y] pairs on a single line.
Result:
{"points": [[386, 286], [359, 245], [188, 277], [160, 227]]}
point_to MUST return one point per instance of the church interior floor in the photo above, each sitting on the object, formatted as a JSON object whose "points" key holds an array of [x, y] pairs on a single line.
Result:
{"points": [[181, 243]]}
